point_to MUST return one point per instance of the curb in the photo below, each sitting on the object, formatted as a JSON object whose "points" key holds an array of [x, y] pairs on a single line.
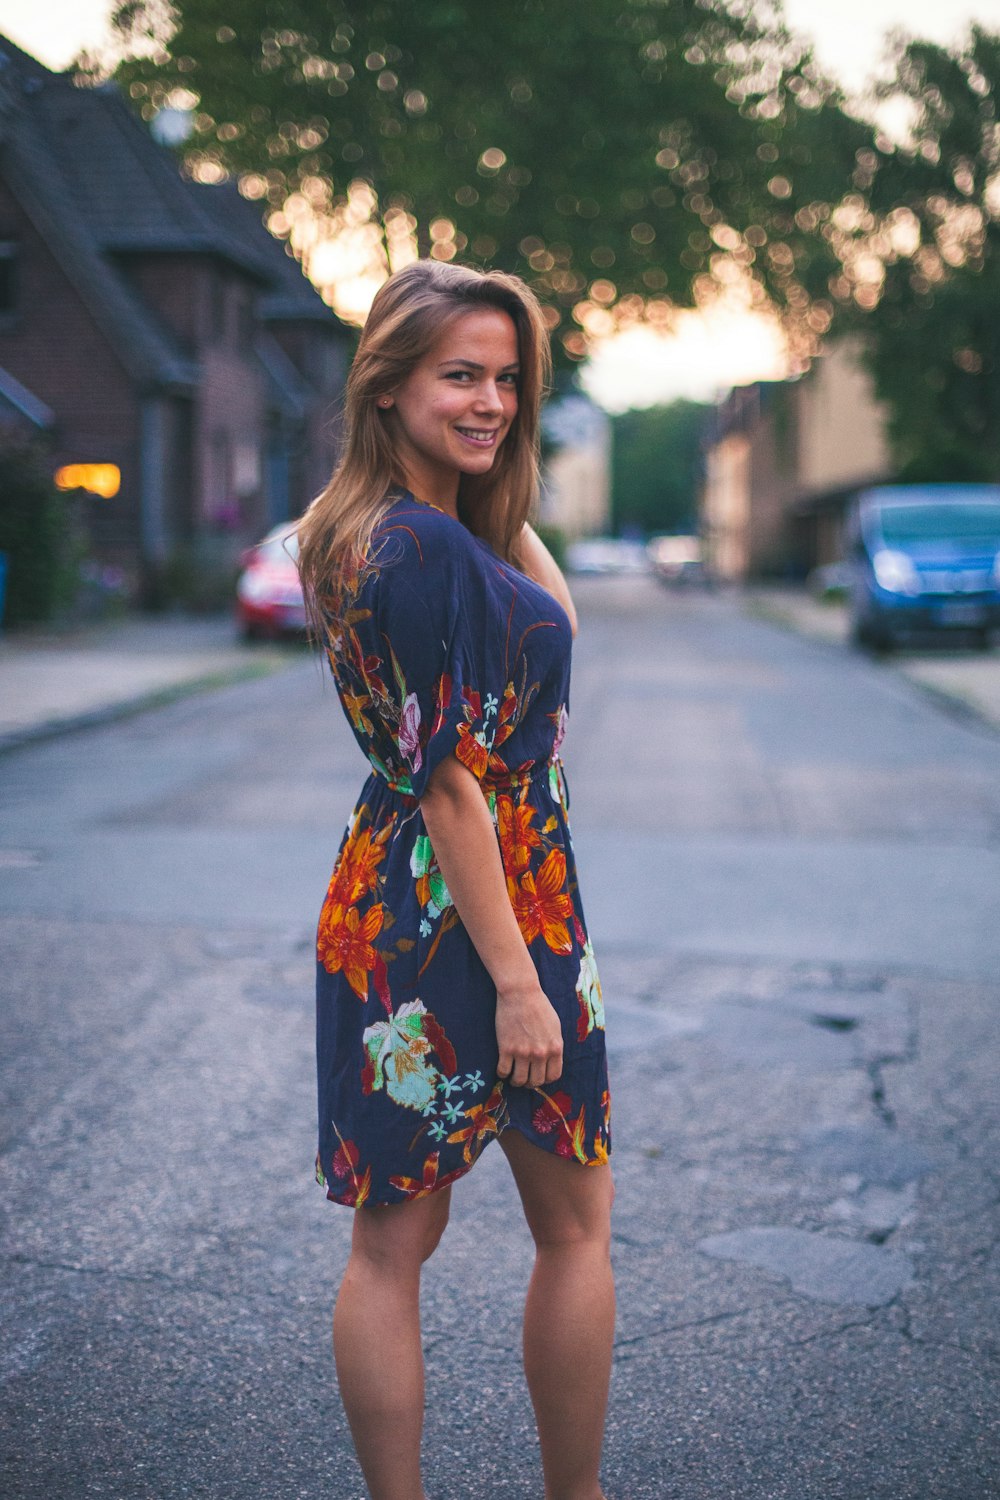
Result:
{"points": [[128, 708], [951, 702]]}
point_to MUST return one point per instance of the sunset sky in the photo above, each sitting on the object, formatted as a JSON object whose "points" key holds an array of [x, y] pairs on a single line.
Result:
{"points": [[707, 353]]}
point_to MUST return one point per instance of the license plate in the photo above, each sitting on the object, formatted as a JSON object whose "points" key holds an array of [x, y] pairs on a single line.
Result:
{"points": [[960, 614]]}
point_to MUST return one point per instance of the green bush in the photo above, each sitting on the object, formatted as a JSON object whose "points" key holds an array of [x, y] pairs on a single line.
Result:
{"points": [[555, 539], [197, 580], [38, 536]]}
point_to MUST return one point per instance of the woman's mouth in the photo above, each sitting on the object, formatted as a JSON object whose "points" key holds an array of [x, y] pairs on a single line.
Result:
{"points": [[479, 437]]}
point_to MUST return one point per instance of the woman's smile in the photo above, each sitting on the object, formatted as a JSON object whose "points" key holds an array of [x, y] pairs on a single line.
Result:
{"points": [[479, 437]]}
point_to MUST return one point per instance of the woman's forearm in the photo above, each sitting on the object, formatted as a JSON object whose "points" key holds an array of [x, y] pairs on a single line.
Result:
{"points": [[465, 845], [462, 835]]}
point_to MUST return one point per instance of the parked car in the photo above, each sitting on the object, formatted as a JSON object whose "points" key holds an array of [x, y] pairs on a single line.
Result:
{"points": [[606, 554], [924, 558], [269, 600], [677, 560]]}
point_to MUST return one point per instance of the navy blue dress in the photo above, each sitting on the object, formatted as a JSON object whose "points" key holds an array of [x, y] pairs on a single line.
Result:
{"points": [[441, 648]]}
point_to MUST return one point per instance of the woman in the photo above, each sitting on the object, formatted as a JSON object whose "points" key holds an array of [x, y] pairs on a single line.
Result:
{"points": [[457, 997]]}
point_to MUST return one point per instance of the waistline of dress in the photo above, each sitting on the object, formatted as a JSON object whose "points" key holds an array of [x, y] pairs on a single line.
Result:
{"points": [[514, 781]]}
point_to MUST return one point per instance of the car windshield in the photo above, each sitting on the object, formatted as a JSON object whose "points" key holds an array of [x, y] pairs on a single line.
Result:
{"points": [[937, 523], [278, 549]]}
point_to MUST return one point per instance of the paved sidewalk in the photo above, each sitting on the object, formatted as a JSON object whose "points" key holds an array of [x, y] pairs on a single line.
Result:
{"points": [[961, 675], [51, 681]]}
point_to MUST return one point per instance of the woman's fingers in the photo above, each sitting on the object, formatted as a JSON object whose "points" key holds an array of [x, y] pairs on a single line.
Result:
{"points": [[529, 1039], [529, 1070], [554, 1068]]}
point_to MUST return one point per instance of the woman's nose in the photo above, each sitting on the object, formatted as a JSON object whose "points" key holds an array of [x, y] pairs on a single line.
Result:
{"points": [[489, 396]]}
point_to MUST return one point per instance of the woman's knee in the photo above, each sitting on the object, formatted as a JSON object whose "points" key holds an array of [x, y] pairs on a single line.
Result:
{"points": [[570, 1205], [402, 1236]]}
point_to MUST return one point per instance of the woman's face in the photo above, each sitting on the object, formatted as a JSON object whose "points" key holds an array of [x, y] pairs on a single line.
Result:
{"points": [[452, 412]]}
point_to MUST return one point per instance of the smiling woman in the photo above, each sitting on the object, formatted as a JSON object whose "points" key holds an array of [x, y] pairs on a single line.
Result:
{"points": [[457, 992]]}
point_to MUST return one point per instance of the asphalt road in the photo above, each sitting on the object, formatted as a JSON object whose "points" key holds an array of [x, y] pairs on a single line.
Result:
{"points": [[790, 864]]}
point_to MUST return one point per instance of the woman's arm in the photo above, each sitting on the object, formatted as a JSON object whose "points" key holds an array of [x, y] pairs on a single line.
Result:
{"points": [[539, 564], [463, 838]]}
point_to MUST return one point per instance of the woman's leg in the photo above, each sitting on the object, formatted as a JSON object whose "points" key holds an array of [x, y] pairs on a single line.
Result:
{"points": [[569, 1317], [376, 1340]]}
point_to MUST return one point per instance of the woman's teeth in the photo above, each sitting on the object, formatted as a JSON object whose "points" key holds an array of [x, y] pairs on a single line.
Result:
{"points": [[482, 435]]}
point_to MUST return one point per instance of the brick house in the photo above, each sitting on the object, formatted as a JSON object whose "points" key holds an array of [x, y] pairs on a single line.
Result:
{"points": [[781, 461], [161, 325]]}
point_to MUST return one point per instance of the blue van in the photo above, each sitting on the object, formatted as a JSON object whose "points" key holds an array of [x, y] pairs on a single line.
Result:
{"points": [[923, 557]]}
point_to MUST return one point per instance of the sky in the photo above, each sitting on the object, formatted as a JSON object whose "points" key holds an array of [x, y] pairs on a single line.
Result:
{"points": [[705, 354]]}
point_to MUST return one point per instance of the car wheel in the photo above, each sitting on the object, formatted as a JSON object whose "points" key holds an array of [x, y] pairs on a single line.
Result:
{"points": [[872, 634]]}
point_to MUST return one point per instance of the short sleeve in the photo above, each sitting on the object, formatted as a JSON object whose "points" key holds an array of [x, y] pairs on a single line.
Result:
{"points": [[431, 612]]}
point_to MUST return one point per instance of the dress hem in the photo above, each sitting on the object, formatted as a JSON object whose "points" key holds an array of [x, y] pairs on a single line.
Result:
{"points": [[345, 1201]]}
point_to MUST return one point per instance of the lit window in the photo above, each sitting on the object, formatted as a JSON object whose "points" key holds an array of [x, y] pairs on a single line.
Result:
{"points": [[98, 479]]}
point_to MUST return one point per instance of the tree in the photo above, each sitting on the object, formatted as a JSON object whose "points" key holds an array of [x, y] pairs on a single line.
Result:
{"points": [[625, 156], [656, 468], [921, 263]]}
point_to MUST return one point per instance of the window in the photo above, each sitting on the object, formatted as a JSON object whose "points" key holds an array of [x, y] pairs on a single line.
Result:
{"points": [[245, 323], [97, 479], [218, 309], [8, 277]]}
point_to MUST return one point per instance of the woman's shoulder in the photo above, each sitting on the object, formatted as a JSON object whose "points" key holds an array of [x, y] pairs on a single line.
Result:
{"points": [[420, 536]]}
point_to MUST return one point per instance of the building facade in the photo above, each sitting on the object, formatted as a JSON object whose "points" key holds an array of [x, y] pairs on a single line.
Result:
{"points": [[781, 461], [576, 478], [170, 336]]}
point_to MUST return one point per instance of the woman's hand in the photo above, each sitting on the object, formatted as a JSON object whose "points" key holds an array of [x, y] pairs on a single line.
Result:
{"points": [[529, 1038]]}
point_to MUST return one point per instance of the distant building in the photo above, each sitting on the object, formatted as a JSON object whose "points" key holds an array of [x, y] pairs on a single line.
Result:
{"points": [[781, 461], [576, 480], [165, 332]]}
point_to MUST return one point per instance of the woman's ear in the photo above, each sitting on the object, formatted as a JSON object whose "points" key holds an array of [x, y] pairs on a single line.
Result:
{"points": [[385, 402]]}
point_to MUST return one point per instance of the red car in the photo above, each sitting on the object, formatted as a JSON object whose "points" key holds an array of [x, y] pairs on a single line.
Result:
{"points": [[269, 599]]}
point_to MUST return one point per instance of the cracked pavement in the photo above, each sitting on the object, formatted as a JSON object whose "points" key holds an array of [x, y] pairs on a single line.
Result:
{"points": [[790, 867]]}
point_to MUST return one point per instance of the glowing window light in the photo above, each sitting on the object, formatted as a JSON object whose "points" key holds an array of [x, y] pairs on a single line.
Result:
{"points": [[99, 479]]}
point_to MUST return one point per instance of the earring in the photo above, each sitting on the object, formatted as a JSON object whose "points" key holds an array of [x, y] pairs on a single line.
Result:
{"points": [[385, 402]]}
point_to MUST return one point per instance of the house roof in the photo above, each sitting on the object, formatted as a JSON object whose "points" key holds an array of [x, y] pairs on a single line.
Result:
{"points": [[126, 185], [97, 186], [291, 295], [16, 397]]}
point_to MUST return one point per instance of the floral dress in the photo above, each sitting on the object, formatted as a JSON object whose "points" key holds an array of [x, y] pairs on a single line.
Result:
{"points": [[441, 648]]}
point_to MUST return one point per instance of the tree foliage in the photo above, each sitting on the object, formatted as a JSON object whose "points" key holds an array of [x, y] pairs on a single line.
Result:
{"points": [[656, 468], [35, 536], [623, 155], [924, 260]]}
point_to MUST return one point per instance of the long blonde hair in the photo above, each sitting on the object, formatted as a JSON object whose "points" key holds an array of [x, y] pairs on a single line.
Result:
{"points": [[408, 314]]}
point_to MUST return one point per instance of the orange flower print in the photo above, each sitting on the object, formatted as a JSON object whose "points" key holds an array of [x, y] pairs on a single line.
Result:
{"points": [[541, 905], [472, 752], [483, 1120], [344, 943], [517, 837], [507, 717], [355, 875], [429, 1182]]}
